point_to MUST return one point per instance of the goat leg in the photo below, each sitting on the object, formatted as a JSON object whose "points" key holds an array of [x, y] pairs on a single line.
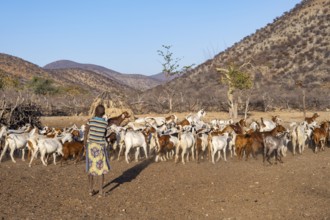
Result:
{"points": [[248, 152], [268, 159], [280, 159], [23, 154], [12, 156]]}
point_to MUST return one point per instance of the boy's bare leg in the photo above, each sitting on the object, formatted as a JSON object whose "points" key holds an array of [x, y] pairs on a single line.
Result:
{"points": [[91, 183], [101, 185]]}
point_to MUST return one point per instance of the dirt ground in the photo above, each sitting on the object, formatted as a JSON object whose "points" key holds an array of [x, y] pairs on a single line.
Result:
{"points": [[297, 189]]}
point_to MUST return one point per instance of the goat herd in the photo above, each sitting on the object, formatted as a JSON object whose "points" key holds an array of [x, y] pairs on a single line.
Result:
{"points": [[169, 139]]}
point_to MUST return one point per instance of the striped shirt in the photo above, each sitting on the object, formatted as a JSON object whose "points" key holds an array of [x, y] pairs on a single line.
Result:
{"points": [[97, 129]]}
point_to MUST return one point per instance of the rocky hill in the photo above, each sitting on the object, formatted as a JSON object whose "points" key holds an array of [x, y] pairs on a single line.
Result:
{"points": [[293, 48], [58, 91], [23, 72], [20, 69]]}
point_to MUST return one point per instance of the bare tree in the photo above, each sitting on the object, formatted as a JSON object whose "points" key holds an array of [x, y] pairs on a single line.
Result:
{"points": [[171, 67], [18, 102], [3, 107], [267, 101]]}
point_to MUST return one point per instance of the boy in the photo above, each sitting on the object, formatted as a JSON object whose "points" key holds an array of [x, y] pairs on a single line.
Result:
{"points": [[97, 161]]}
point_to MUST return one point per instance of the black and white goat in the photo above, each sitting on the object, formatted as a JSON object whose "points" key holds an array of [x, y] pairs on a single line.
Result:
{"points": [[277, 144]]}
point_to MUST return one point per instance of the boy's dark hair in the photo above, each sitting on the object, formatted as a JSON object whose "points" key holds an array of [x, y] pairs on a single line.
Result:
{"points": [[99, 111]]}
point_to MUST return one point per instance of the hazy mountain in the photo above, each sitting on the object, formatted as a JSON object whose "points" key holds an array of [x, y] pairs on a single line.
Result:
{"points": [[94, 83], [137, 81], [161, 77]]}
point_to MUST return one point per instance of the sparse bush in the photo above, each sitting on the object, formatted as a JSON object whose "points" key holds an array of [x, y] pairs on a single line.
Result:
{"points": [[8, 81], [41, 86], [73, 90]]}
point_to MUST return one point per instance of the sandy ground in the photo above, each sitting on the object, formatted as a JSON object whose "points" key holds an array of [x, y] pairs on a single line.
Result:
{"points": [[297, 189]]}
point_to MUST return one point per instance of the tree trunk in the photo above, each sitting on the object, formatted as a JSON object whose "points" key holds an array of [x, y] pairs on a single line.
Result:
{"points": [[170, 102], [232, 105], [304, 102], [235, 111], [246, 107], [3, 108]]}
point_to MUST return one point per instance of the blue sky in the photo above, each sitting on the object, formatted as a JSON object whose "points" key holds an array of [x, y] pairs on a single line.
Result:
{"points": [[124, 35]]}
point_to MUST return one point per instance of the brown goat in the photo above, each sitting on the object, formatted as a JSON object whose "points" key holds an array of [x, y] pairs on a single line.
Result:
{"points": [[165, 145], [183, 123], [253, 141], [239, 126], [276, 119], [243, 142], [170, 118], [310, 120], [202, 146], [74, 149], [118, 119], [320, 136]]}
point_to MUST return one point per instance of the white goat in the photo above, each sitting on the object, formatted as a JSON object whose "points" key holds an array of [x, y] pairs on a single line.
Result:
{"points": [[120, 138], [193, 119], [16, 141], [254, 126], [159, 121], [20, 130], [267, 125], [299, 137], [217, 123], [186, 144], [218, 144], [50, 146], [135, 139], [140, 125], [155, 121]]}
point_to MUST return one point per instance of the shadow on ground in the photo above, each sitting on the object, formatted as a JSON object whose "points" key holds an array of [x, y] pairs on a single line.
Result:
{"points": [[128, 175]]}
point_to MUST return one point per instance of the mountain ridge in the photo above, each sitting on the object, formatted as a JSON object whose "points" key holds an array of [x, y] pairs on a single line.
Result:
{"points": [[137, 81]]}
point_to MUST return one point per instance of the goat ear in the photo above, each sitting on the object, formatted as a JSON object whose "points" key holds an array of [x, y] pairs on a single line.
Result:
{"points": [[123, 116]]}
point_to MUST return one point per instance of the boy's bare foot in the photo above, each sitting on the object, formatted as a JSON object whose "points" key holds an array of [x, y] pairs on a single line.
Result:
{"points": [[93, 192], [102, 194]]}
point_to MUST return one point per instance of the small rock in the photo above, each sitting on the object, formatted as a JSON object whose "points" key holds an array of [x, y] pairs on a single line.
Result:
{"points": [[306, 214]]}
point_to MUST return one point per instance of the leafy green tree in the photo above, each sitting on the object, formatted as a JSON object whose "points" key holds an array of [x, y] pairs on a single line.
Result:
{"points": [[236, 79]]}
